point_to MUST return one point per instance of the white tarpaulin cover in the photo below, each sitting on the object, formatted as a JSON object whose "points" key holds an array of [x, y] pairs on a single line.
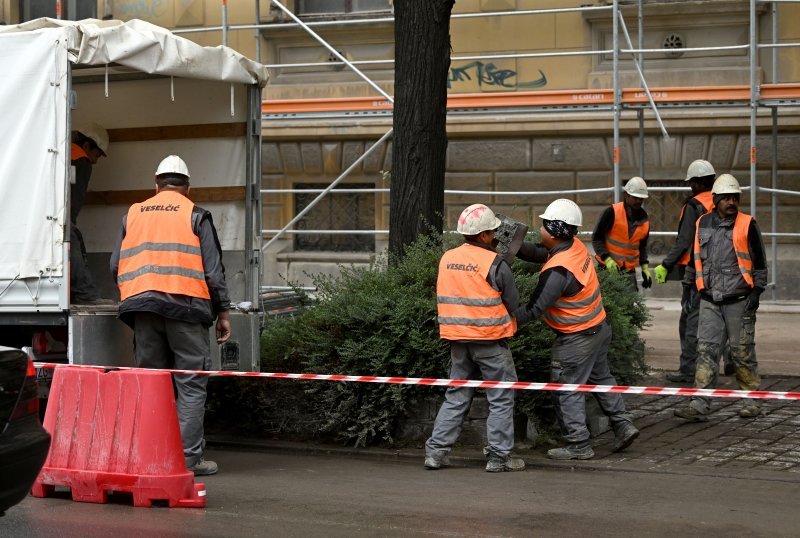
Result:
{"points": [[34, 154], [33, 164], [150, 49]]}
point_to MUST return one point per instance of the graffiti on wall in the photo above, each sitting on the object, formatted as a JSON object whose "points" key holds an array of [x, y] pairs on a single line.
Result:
{"points": [[488, 74], [140, 9]]}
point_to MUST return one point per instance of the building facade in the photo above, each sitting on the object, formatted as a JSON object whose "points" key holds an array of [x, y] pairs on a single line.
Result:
{"points": [[515, 148]]}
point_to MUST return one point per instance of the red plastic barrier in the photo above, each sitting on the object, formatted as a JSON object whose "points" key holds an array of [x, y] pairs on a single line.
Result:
{"points": [[116, 431]]}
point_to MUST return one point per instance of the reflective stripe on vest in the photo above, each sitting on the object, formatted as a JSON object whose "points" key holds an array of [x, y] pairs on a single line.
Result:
{"points": [[585, 309], [160, 251], [623, 249], [76, 152], [741, 229], [469, 308], [706, 199]]}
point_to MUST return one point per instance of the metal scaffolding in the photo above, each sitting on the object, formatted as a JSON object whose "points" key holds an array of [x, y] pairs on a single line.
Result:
{"points": [[615, 100]]}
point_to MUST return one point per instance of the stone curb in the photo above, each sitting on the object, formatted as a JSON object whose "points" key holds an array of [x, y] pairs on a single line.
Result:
{"points": [[475, 458]]}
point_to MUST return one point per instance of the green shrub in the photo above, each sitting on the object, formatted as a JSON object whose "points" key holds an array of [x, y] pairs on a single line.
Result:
{"points": [[382, 321]]}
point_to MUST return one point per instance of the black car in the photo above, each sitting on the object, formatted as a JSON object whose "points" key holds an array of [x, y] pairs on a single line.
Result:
{"points": [[23, 441]]}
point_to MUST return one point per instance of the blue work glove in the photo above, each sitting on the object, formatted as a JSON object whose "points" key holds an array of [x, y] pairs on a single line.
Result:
{"points": [[647, 280], [661, 274], [611, 265]]}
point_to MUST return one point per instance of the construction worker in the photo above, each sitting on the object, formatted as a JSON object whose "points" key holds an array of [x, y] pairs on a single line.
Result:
{"points": [[475, 293], [730, 272], [620, 237], [89, 143], [567, 297], [700, 176], [168, 266]]}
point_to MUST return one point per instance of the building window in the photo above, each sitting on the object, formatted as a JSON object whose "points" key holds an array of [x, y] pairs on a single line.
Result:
{"points": [[339, 7], [346, 211], [73, 10]]}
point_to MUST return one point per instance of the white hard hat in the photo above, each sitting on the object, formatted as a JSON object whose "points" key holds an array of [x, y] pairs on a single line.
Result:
{"points": [[173, 165], [475, 219], [636, 187], [564, 210], [726, 184], [97, 133], [699, 168]]}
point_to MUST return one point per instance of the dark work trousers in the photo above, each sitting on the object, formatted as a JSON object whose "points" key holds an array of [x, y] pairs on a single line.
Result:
{"points": [[718, 322], [687, 328], [160, 342], [631, 279], [81, 283], [491, 361], [580, 359]]}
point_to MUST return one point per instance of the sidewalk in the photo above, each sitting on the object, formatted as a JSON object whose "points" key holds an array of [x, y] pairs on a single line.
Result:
{"points": [[766, 448], [777, 337]]}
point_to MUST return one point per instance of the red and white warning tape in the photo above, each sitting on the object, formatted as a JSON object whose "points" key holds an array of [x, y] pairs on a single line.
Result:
{"points": [[517, 385]]}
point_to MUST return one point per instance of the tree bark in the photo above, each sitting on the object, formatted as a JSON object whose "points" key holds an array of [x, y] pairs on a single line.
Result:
{"points": [[422, 64]]}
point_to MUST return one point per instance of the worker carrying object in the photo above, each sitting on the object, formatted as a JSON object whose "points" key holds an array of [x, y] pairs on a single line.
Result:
{"points": [[700, 175], [621, 235], [89, 143], [475, 293], [568, 299], [168, 266], [730, 272]]}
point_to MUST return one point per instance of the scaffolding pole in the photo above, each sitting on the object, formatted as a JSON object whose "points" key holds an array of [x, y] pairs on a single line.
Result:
{"points": [[753, 107], [617, 96]]}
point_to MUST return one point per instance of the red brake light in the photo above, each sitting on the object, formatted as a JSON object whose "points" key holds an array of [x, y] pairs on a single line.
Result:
{"points": [[39, 343], [31, 369]]}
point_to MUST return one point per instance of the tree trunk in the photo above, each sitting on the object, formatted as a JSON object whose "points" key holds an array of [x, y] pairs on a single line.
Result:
{"points": [[422, 64]]}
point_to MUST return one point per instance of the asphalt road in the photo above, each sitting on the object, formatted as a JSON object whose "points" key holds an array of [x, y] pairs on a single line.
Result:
{"points": [[294, 495]]}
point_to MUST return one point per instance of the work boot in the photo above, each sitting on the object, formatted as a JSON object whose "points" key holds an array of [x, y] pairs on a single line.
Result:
{"points": [[572, 452], [204, 468], [498, 464], [750, 410], [691, 413], [437, 460], [624, 436], [680, 377]]}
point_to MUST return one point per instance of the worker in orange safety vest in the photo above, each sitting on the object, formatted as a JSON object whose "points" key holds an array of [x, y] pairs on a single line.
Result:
{"points": [[89, 144], [700, 175], [621, 235], [730, 272], [475, 293], [168, 266], [568, 299]]}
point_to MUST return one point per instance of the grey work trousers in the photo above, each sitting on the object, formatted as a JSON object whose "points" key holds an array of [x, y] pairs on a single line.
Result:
{"points": [[160, 342], [493, 361], [81, 283], [579, 359], [718, 322], [687, 328]]}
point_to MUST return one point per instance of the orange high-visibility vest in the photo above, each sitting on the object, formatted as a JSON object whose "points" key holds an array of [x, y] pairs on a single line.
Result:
{"points": [[585, 309], [706, 199], [76, 152], [623, 249], [741, 229], [160, 252], [469, 308]]}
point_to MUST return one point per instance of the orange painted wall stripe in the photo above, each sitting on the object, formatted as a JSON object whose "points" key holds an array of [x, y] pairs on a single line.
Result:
{"points": [[541, 98]]}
